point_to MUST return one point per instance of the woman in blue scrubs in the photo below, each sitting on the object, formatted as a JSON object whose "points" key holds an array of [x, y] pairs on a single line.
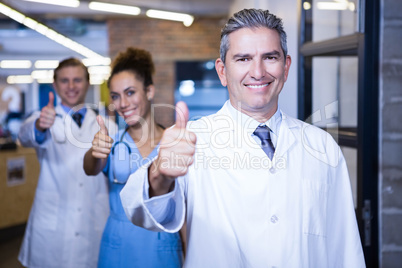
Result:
{"points": [[131, 90]]}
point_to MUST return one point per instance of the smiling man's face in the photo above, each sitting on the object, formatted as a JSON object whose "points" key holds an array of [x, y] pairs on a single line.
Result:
{"points": [[255, 71]]}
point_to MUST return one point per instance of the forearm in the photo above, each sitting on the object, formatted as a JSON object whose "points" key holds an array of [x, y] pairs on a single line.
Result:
{"points": [[158, 183], [92, 165]]}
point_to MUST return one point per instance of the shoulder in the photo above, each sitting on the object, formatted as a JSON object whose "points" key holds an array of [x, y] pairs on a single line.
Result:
{"points": [[316, 141]]}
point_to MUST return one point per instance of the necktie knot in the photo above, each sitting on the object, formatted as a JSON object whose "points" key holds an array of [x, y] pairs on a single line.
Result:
{"points": [[77, 117], [263, 133]]}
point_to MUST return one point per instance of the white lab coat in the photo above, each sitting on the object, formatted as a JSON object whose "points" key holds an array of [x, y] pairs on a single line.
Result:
{"points": [[243, 210], [70, 208]]}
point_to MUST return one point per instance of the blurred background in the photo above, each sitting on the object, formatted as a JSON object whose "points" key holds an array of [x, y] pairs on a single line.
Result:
{"points": [[345, 77]]}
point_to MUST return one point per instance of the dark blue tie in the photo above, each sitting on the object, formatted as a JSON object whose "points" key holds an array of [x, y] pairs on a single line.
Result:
{"points": [[77, 117], [262, 132]]}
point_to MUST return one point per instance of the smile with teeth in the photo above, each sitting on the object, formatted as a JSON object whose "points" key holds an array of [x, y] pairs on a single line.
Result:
{"points": [[258, 86], [128, 113]]}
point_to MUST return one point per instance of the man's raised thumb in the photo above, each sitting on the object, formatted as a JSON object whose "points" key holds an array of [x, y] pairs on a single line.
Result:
{"points": [[102, 126], [182, 114], [51, 99]]}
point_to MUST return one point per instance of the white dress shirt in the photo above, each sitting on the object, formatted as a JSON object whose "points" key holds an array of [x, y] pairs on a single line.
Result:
{"points": [[244, 210]]}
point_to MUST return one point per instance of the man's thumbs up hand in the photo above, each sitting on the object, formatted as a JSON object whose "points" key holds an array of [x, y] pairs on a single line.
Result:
{"points": [[47, 115], [176, 153]]}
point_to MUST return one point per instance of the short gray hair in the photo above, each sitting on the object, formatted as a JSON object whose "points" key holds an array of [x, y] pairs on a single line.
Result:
{"points": [[251, 18]]}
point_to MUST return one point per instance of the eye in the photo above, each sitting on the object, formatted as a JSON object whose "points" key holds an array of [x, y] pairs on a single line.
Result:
{"points": [[243, 59], [271, 58], [114, 97], [130, 92]]}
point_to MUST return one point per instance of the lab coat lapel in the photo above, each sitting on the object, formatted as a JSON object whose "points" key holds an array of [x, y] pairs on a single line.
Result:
{"points": [[286, 137]]}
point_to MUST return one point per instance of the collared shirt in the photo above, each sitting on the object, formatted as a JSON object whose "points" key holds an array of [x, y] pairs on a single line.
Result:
{"points": [[274, 123], [243, 210]]}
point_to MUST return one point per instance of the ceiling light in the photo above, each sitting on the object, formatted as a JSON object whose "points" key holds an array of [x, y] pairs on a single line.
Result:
{"points": [[187, 88], [19, 79], [96, 61], [306, 5], [45, 81], [42, 74], [46, 31], [46, 64], [66, 3], [332, 5], [165, 15], [15, 64], [123, 9]]}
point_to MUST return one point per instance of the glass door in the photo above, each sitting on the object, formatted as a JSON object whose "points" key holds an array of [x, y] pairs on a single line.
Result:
{"points": [[338, 91]]}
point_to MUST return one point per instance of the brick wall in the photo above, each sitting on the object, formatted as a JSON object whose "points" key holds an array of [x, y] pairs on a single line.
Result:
{"points": [[168, 42], [391, 134]]}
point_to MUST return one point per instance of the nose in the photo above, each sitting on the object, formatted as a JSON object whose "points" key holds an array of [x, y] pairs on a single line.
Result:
{"points": [[257, 69], [70, 84], [123, 102]]}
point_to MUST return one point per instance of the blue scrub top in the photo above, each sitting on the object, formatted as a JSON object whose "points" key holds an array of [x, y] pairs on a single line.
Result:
{"points": [[124, 244]]}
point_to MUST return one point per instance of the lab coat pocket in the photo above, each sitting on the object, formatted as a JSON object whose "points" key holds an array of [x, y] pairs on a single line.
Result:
{"points": [[46, 208], [314, 207]]}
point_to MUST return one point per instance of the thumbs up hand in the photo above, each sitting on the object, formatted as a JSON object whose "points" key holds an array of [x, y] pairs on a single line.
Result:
{"points": [[176, 153], [102, 143], [47, 115]]}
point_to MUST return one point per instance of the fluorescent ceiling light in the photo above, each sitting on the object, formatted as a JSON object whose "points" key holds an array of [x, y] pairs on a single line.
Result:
{"points": [[46, 31], [45, 80], [332, 5], [46, 64], [42, 74], [19, 79], [66, 3], [99, 70], [15, 64], [123, 9], [165, 15], [96, 61]]}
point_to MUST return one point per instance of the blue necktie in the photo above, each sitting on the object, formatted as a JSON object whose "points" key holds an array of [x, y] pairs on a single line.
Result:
{"points": [[262, 132], [77, 117]]}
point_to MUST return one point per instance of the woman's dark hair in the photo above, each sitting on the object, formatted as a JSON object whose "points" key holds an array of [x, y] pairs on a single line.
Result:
{"points": [[135, 60]]}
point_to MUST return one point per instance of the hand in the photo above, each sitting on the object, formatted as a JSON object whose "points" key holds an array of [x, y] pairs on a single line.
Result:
{"points": [[102, 143], [177, 147], [47, 115]]}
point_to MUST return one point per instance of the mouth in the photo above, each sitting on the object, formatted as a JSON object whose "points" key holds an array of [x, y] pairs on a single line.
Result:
{"points": [[257, 86], [71, 94], [127, 114]]}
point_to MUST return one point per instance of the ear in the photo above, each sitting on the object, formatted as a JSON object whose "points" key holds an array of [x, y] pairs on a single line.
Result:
{"points": [[288, 62], [150, 91], [220, 69]]}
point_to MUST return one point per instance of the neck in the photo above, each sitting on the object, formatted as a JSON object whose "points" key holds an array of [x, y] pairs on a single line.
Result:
{"points": [[149, 133], [261, 115]]}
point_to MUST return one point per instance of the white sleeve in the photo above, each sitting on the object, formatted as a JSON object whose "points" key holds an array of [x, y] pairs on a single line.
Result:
{"points": [[161, 213], [26, 135]]}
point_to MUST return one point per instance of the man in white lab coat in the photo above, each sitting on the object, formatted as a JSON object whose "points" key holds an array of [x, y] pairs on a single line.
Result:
{"points": [[70, 208], [279, 200]]}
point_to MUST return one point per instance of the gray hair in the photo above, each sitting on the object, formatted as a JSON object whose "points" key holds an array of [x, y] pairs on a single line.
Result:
{"points": [[251, 18]]}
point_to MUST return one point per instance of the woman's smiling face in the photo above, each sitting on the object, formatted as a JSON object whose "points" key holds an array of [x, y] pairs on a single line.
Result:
{"points": [[130, 98]]}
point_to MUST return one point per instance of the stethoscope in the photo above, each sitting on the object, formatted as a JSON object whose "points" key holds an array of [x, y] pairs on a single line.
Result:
{"points": [[121, 160]]}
